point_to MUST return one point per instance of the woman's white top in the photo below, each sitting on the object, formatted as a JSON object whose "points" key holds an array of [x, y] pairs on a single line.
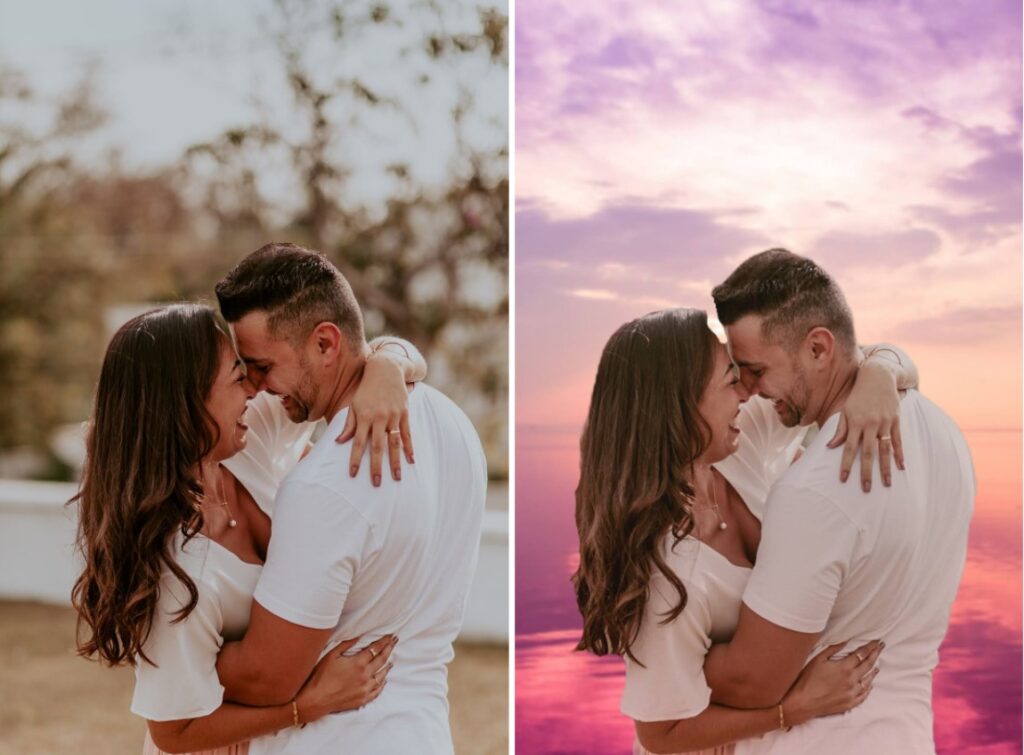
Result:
{"points": [[183, 682], [670, 684]]}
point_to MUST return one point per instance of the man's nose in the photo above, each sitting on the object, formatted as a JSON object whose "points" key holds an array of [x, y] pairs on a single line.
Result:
{"points": [[749, 382], [255, 380], [251, 389], [743, 391]]}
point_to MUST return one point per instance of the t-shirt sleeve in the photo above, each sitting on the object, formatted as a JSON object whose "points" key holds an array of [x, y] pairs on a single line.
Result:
{"points": [[183, 683], [807, 549], [318, 544], [670, 685], [275, 442], [766, 450], [770, 440]]}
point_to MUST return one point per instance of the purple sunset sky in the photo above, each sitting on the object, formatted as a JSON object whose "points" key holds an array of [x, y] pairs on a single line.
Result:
{"points": [[657, 144]]}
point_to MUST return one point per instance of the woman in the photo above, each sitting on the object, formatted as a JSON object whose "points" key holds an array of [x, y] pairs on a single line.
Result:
{"points": [[667, 540], [183, 462]]}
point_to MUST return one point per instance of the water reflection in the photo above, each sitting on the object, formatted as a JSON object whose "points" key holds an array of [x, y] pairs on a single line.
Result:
{"points": [[567, 702]]}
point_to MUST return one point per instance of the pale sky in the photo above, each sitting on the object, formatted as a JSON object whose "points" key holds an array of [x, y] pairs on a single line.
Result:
{"points": [[175, 72]]}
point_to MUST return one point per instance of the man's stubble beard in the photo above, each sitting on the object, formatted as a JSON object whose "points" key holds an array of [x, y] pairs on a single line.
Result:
{"points": [[796, 400], [305, 394]]}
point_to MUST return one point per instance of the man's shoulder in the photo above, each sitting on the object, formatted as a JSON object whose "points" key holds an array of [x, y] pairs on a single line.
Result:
{"points": [[932, 415], [321, 483], [452, 428], [812, 482], [439, 403], [816, 469]]}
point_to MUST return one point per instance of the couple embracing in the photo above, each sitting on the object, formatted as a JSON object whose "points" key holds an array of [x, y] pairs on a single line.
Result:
{"points": [[273, 595], [762, 602]]}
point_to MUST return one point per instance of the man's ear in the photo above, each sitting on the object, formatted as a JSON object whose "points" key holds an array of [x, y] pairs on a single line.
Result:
{"points": [[821, 344], [327, 340]]}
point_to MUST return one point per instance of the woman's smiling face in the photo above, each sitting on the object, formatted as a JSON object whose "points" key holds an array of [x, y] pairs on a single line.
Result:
{"points": [[227, 401], [720, 405]]}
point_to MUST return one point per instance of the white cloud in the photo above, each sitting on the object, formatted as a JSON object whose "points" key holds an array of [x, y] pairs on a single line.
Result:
{"points": [[593, 293]]}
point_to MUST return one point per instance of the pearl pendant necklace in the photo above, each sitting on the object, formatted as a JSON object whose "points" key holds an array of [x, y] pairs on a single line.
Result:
{"points": [[224, 500]]}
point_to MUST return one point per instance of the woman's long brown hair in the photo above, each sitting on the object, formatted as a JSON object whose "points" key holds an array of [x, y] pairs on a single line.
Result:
{"points": [[642, 435], [149, 430]]}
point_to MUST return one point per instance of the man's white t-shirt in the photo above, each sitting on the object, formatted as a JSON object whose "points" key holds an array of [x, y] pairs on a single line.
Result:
{"points": [[884, 565], [374, 561]]}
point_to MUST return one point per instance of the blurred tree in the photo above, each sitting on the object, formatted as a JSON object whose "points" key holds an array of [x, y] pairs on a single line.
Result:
{"points": [[428, 263], [433, 266], [45, 282]]}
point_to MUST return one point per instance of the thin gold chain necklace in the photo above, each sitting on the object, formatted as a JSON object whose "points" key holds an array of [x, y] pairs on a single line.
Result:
{"points": [[223, 499], [714, 505]]}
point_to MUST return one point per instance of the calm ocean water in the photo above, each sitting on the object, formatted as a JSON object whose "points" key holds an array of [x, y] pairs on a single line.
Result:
{"points": [[567, 702]]}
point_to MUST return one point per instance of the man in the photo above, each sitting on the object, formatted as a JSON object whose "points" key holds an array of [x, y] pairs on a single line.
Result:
{"points": [[348, 559], [835, 564]]}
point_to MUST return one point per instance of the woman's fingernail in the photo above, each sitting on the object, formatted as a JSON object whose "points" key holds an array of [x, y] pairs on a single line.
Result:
{"points": [[376, 481], [888, 480], [844, 476], [867, 486], [353, 471]]}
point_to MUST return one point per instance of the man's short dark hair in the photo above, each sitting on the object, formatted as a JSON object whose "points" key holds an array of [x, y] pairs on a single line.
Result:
{"points": [[792, 295], [296, 287]]}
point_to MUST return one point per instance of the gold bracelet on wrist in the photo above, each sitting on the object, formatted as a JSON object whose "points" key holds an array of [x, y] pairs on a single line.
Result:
{"points": [[295, 713], [399, 344], [782, 718], [895, 353]]}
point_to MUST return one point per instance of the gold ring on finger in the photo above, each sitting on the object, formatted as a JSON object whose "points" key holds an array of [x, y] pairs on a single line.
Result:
{"points": [[394, 432], [885, 437], [373, 653], [859, 657]]}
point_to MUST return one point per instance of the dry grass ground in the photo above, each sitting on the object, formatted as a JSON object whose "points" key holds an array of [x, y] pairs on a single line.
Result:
{"points": [[53, 702]]}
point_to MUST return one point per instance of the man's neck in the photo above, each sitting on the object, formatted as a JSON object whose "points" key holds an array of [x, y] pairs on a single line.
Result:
{"points": [[838, 390], [347, 384]]}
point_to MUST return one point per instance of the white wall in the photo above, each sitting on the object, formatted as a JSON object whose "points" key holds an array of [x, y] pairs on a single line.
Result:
{"points": [[37, 559]]}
